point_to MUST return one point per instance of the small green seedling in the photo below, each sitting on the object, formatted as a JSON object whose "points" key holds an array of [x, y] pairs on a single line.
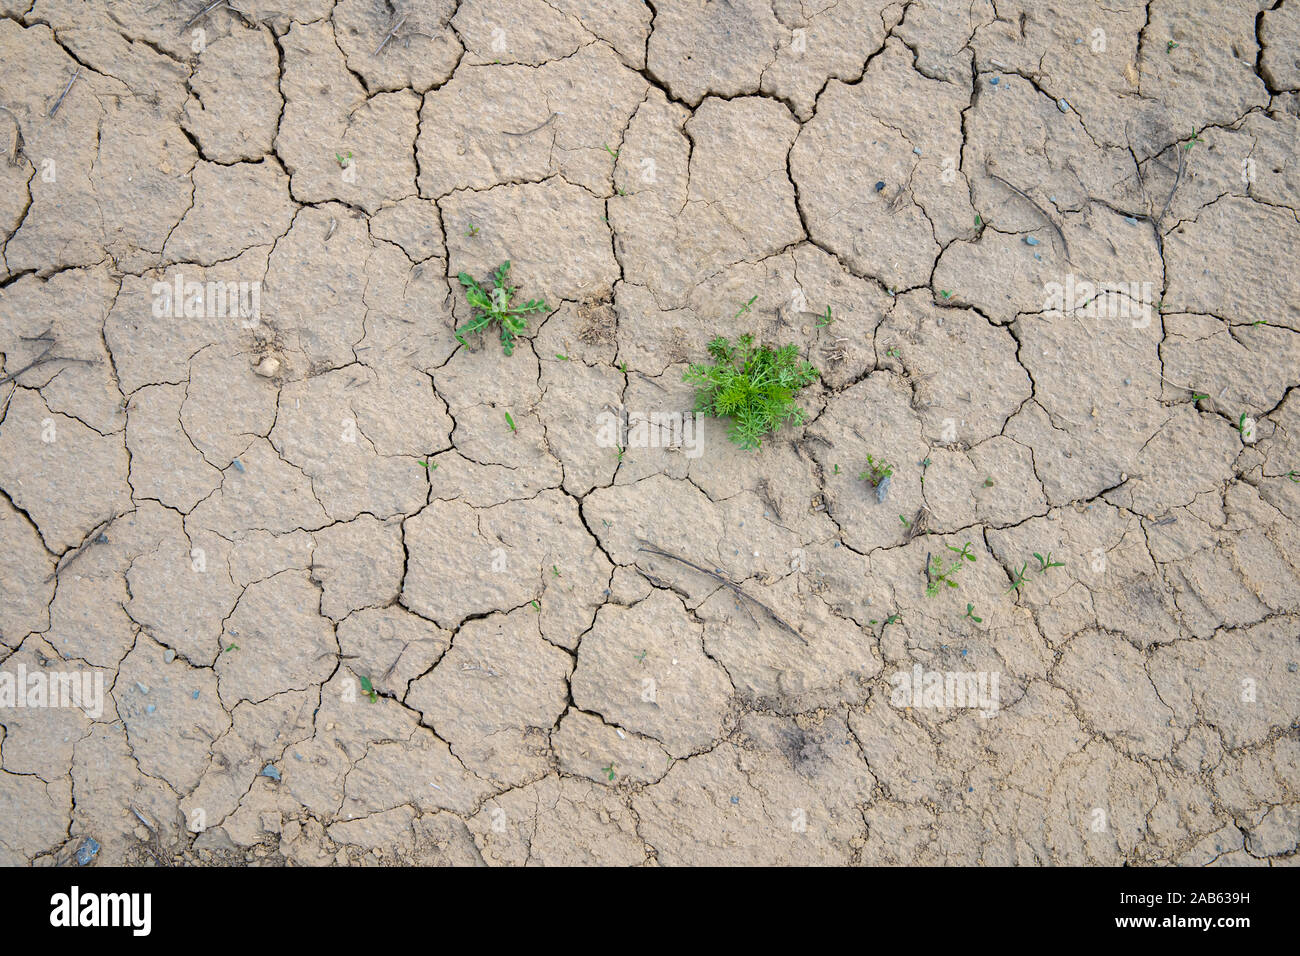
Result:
{"points": [[825, 320], [970, 613], [472, 231], [536, 606], [1199, 396], [894, 353], [641, 657], [1241, 423], [231, 647], [753, 385], [1045, 563], [561, 357], [1018, 579], [608, 770], [1193, 141], [937, 575], [837, 469], [429, 465], [368, 689], [611, 152], [988, 482], [744, 308], [511, 422], [621, 452], [978, 221], [1170, 45], [343, 160], [876, 472], [495, 308], [1294, 476], [946, 293], [906, 523], [893, 618], [555, 570]]}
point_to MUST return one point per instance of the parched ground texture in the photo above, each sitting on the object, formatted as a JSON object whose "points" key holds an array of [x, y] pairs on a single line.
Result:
{"points": [[344, 611]]}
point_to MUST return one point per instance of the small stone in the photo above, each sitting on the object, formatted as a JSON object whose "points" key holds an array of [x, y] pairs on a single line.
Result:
{"points": [[195, 695], [239, 465], [267, 367], [151, 708], [270, 771], [880, 184], [1063, 106], [994, 81], [1031, 241], [882, 489], [142, 688], [169, 655], [87, 850]]}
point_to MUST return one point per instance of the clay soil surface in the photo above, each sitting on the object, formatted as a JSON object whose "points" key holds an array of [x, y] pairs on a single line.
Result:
{"points": [[359, 593]]}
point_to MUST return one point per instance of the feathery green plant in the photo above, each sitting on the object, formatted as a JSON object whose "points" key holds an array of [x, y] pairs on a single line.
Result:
{"points": [[752, 385]]}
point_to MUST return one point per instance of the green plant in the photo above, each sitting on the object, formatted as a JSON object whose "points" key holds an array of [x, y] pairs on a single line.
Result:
{"points": [[937, 575], [343, 160], [946, 293], [988, 482], [1193, 141], [368, 689], [1018, 578], [1045, 563], [495, 307], [970, 613], [876, 472], [825, 320], [511, 422], [752, 385], [1294, 476], [471, 232], [608, 770], [1170, 45]]}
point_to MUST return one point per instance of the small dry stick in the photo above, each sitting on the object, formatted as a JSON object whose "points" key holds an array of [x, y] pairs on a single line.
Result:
{"points": [[206, 10], [1033, 202], [649, 548], [396, 25], [59, 102]]}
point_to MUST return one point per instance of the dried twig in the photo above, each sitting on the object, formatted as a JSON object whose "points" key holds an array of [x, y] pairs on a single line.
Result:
{"points": [[547, 122], [206, 10], [59, 102], [649, 548], [1033, 202], [396, 25]]}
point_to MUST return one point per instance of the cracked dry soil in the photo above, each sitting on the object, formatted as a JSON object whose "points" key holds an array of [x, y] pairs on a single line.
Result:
{"points": [[343, 613]]}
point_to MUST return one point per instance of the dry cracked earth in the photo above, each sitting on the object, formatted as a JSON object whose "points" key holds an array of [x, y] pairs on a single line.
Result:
{"points": [[344, 611]]}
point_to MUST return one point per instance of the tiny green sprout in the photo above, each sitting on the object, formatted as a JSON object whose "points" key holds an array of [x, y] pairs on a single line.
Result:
{"points": [[230, 647], [608, 770], [963, 552], [893, 618], [978, 220], [471, 232], [1294, 476], [946, 293], [1260, 322], [611, 152], [368, 689], [622, 191], [555, 570], [535, 604], [510, 421], [1199, 396], [1018, 579], [1170, 45], [1045, 563], [640, 657], [622, 367], [343, 159], [621, 452], [1193, 141], [877, 471], [1241, 423], [561, 357], [825, 320], [970, 613], [906, 523], [745, 307], [988, 482], [495, 307], [895, 353], [837, 469]]}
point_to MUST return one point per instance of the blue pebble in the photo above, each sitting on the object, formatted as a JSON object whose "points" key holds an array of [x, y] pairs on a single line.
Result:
{"points": [[1130, 220], [87, 851], [1063, 106], [1030, 241], [151, 708], [994, 81], [880, 184], [195, 695], [239, 465], [882, 489], [270, 771], [917, 150], [735, 799]]}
